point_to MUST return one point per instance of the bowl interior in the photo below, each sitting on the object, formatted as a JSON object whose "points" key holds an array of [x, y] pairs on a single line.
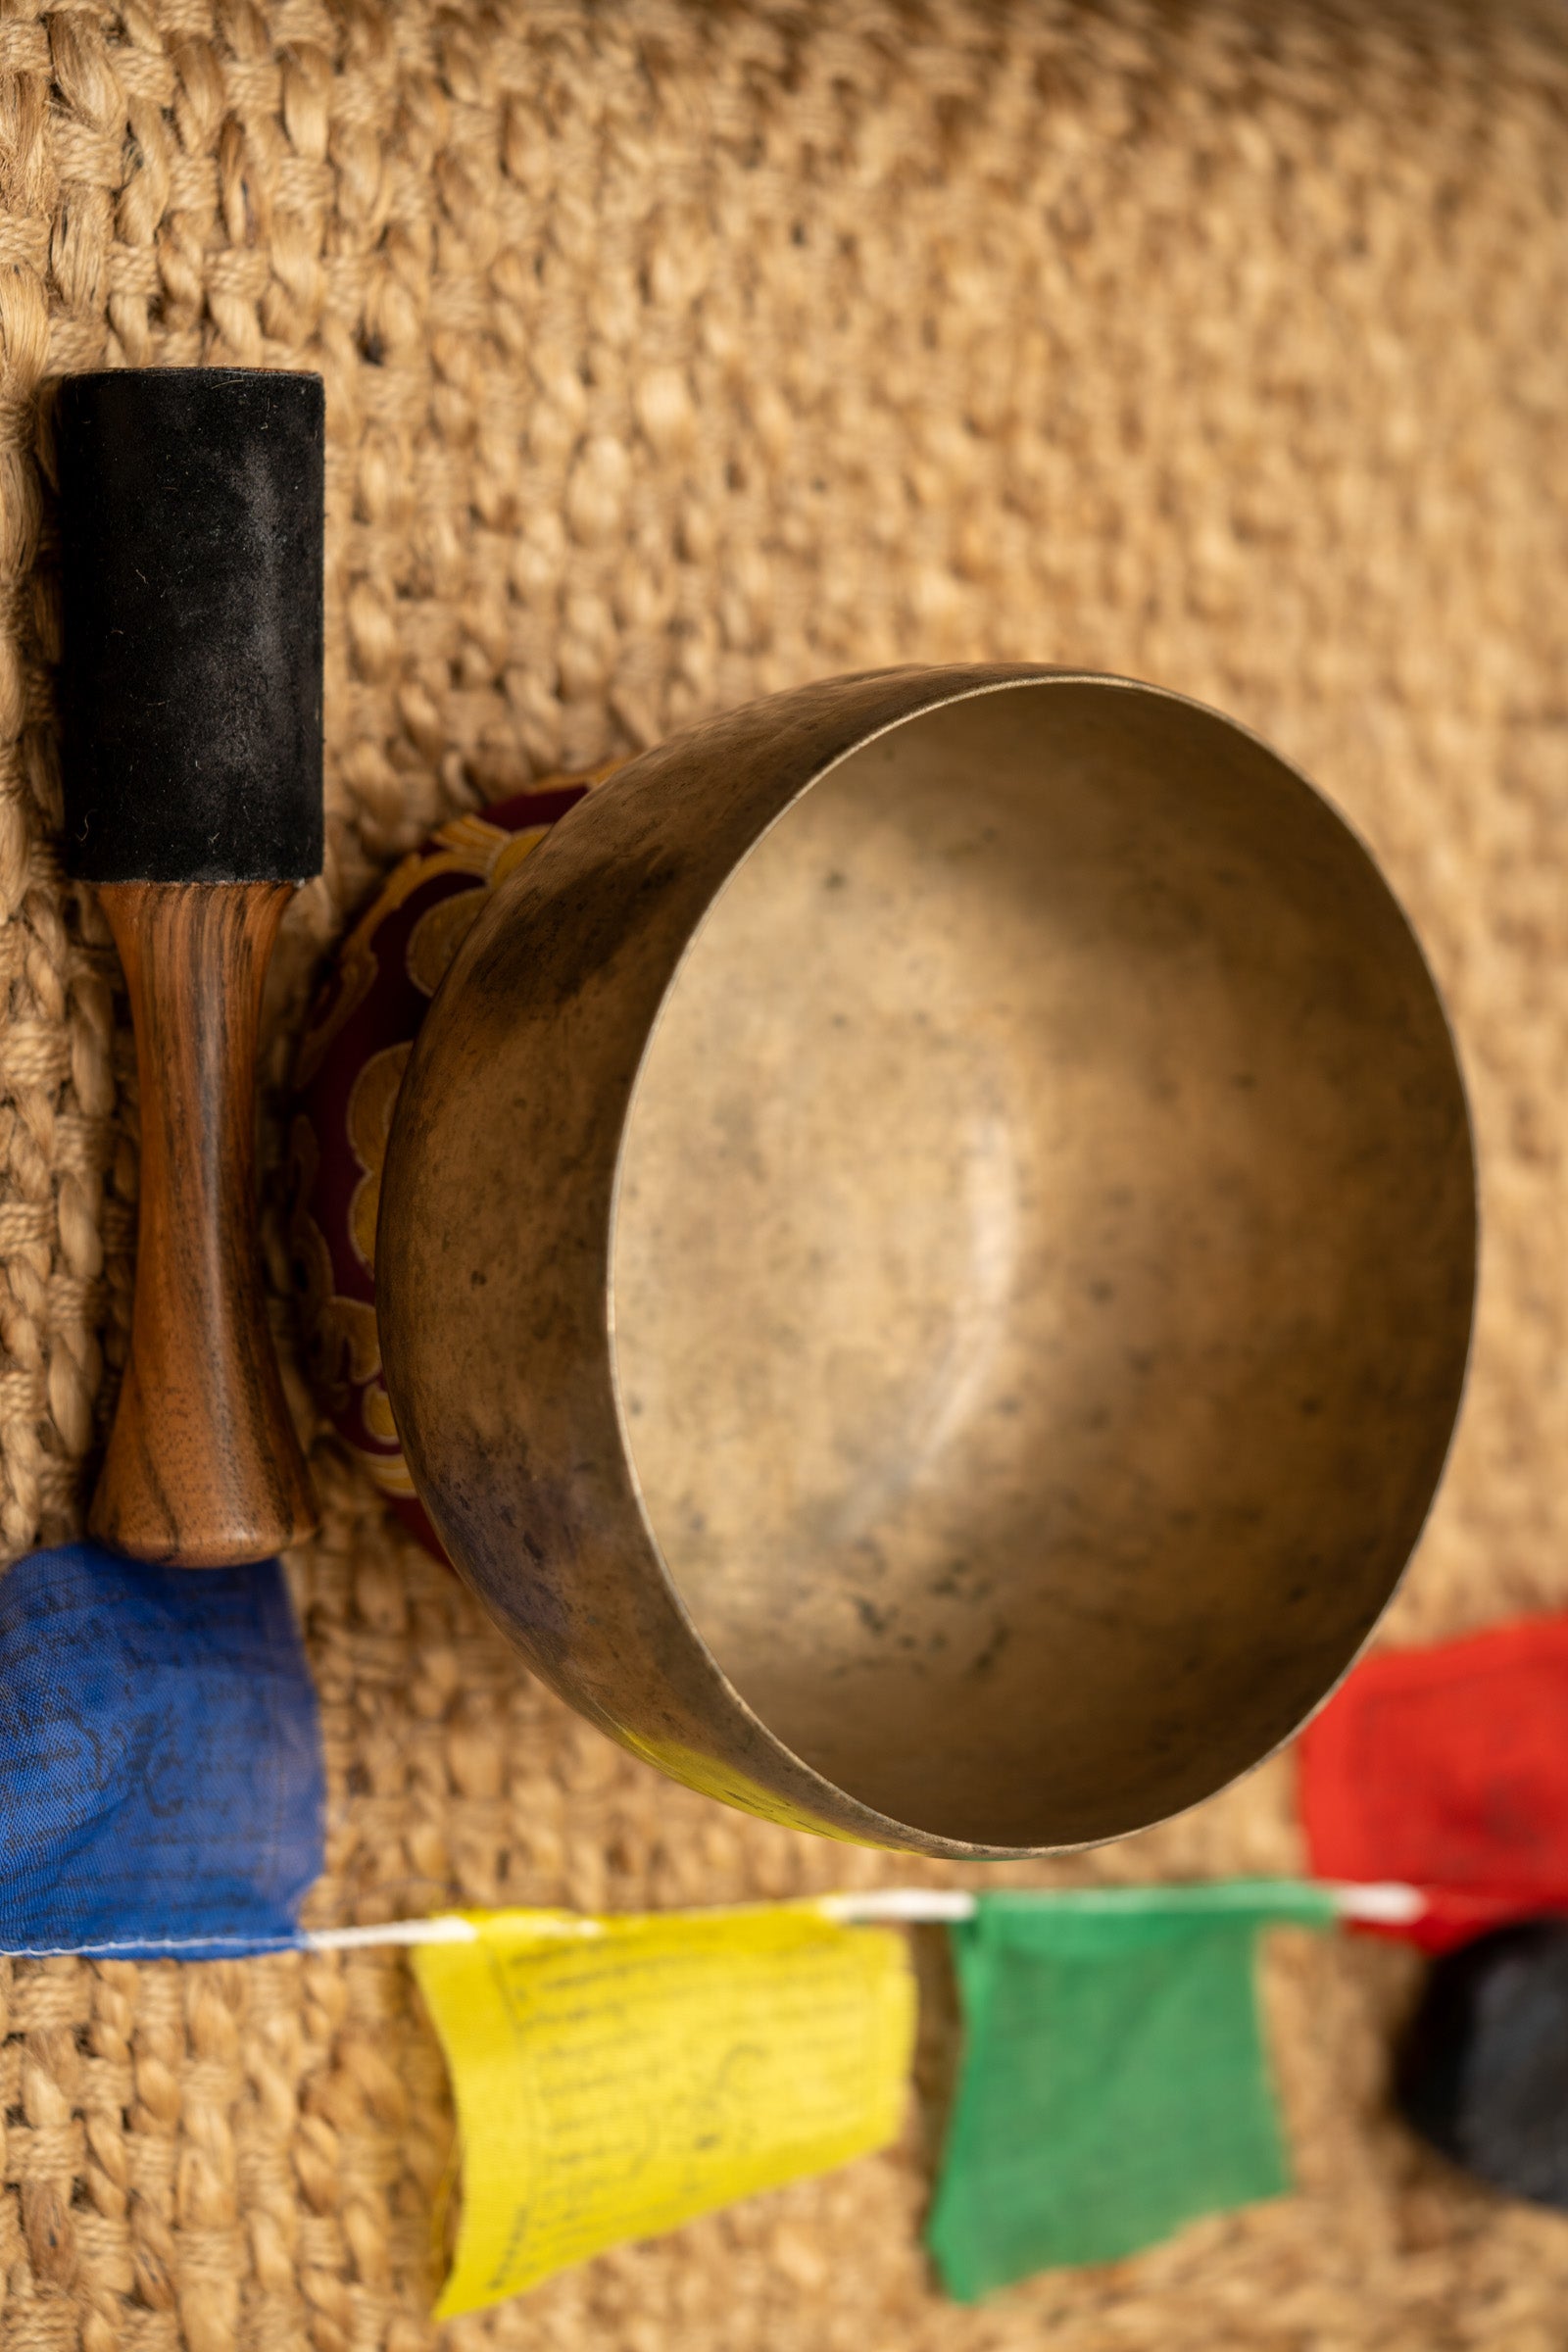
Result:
{"points": [[1042, 1267]]}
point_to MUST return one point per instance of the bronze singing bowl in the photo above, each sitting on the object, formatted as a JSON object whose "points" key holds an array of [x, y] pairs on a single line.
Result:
{"points": [[926, 1256]]}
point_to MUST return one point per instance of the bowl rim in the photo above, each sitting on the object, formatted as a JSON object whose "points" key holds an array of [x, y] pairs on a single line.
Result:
{"points": [[886, 1828]]}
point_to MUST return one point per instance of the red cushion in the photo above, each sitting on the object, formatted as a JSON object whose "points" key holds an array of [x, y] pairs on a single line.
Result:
{"points": [[1448, 1768], [350, 1066]]}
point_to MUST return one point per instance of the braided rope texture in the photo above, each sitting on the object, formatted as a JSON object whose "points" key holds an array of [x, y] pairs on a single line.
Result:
{"points": [[674, 353]]}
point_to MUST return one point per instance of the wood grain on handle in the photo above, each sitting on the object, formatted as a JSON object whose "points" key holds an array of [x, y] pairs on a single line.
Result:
{"points": [[204, 1467]]}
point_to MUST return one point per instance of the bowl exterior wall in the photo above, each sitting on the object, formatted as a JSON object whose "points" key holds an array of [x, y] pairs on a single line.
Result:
{"points": [[494, 1246]]}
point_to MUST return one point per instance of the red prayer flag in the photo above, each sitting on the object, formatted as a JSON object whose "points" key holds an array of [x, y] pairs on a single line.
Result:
{"points": [[1448, 1766]]}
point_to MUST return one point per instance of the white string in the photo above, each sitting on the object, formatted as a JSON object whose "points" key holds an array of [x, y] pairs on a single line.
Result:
{"points": [[1383, 1904], [913, 1906], [390, 1931], [445, 1928]]}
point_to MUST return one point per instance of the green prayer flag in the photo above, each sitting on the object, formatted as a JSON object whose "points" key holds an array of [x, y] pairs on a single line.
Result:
{"points": [[1114, 2083]]}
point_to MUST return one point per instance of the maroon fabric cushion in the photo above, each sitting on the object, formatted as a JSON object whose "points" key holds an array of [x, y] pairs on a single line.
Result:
{"points": [[351, 1064]]}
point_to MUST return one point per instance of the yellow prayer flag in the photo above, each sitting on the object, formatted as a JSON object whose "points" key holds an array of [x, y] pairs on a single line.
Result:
{"points": [[614, 2078]]}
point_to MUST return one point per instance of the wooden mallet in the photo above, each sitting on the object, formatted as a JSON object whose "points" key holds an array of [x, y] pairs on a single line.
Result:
{"points": [[191, 533]]}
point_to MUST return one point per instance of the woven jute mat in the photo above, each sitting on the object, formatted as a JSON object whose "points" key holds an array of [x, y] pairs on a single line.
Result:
{"points": [[676, 353]]}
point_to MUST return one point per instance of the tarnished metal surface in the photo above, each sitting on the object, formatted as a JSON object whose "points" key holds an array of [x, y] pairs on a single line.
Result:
{"points": [[1041, 1288]]}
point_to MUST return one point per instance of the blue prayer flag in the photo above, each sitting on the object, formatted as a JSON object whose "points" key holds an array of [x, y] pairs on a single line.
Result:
{"points": [[161, 1782]]}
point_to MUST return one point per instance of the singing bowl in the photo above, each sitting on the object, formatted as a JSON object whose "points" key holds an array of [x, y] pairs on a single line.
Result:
{"points": [[926, 1256]]}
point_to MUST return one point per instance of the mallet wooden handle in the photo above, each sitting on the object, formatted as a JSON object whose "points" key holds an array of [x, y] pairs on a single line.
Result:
{"points": [[204, 1467], [191, 533]]}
